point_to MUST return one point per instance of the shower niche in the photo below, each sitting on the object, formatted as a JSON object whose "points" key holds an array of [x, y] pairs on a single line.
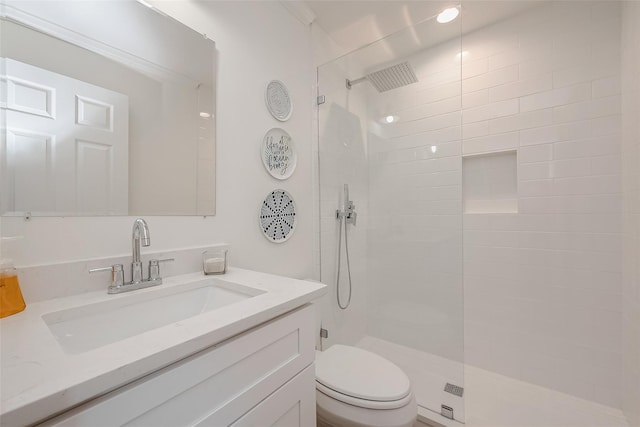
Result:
{"points": [[490, 183]]}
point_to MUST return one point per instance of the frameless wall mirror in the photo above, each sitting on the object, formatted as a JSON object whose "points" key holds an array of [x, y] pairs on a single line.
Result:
{"points": [[107, 108]]}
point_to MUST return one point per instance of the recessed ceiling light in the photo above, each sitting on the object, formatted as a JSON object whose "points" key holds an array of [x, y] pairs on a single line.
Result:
{"points": [[448, 15], [389, 119]]}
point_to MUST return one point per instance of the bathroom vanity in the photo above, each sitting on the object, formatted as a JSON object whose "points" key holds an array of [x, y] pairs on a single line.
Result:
{"points": [[234, 350]]}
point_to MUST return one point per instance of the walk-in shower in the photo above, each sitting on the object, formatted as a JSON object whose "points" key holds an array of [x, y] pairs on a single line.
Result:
{"points": [[406, 303], [486, 259]]}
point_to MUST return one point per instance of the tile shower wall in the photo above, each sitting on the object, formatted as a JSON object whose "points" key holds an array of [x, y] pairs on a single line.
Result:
{"points": [[543, 285], [631, 211]]}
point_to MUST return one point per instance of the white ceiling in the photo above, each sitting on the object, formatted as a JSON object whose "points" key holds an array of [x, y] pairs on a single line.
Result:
{"points": [[353, 24]]}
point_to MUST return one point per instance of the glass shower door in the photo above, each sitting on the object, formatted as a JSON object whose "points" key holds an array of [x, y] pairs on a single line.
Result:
{"points": [[397, 143]]}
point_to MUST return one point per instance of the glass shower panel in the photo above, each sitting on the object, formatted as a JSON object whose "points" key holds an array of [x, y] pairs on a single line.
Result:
{"points": [[342, 161], [399, 149]]}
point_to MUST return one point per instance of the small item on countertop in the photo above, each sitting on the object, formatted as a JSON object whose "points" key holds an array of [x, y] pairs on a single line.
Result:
{"points": [[214, 261], [11, 301]]}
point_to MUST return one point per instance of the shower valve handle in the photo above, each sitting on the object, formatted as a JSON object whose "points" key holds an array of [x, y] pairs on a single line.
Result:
{"points": [[351, 218]]}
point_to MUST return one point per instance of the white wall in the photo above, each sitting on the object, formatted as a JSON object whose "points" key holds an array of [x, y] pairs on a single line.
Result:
{"points": [[543, 286], [256, 42], [631, 211]]}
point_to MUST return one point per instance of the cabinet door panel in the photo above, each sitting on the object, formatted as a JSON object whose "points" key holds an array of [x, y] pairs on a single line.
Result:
{"points": [[292, 405], [220, 383]]}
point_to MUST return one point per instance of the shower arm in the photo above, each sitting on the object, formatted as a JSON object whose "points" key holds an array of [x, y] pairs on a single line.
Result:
{"points": [[350, 83]]}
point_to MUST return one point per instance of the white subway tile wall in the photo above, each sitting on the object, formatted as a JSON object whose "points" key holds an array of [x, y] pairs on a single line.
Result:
{"points": [[631, 211], [543, 286]]}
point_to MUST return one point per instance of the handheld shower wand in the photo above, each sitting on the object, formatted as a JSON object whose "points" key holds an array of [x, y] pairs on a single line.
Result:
{"points": [[347, 216]]}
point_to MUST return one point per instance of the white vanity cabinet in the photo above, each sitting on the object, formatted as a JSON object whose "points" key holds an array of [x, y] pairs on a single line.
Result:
{"points": [[262, 377]]}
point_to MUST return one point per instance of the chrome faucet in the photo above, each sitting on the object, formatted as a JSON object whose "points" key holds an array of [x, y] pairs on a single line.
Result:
{"points": [[139, 234]]}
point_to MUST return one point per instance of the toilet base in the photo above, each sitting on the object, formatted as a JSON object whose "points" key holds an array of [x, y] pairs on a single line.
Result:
{"points": [[333, 413], [322, 423]]}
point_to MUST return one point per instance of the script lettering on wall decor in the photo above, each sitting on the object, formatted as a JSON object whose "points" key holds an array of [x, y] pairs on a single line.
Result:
{"points": [[278, 153]]}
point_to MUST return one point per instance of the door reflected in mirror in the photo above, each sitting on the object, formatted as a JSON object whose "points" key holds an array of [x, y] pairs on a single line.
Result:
{"points": [[108, 108]]}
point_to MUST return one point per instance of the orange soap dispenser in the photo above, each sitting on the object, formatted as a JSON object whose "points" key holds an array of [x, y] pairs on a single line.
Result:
{"points": [[11, 301]]}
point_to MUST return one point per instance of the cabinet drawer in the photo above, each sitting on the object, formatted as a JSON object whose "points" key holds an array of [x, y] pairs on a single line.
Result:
{"points": [[219, 383]]}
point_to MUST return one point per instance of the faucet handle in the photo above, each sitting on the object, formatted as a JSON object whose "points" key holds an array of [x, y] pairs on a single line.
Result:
{"points": [[154, 267], [117, 274]]}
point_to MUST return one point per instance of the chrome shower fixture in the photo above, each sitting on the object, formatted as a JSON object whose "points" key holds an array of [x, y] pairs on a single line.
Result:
{"points": [[388, 78], [346, 216], [349, 212]]}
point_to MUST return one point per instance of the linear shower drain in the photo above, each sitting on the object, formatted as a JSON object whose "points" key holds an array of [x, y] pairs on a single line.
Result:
{"points": [[454, 389]]}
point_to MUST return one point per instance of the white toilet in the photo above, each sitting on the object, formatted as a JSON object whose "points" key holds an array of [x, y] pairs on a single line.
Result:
{"points": [[356, 388]]}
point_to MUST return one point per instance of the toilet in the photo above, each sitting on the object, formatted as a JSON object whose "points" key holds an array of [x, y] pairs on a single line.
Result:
{"points": [[356, 388]]}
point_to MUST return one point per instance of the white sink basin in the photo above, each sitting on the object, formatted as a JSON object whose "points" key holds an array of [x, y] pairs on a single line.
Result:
{"points": [[91, 326]]}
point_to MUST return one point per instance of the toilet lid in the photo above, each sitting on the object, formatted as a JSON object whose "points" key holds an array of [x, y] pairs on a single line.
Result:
{"points": [[360, 374]]}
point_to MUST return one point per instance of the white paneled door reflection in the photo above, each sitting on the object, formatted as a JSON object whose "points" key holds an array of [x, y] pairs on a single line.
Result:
{"points": [[64, 141]]}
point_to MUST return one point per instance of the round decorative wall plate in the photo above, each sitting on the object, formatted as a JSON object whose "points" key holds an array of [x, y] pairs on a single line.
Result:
{"points": [[278, 101], [278, 153], [278, 216]]}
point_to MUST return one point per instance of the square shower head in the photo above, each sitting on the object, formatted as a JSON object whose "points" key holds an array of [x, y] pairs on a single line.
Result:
{"points": [[392, 77]]}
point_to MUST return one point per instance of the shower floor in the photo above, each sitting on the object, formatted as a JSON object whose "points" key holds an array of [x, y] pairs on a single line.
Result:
{"points": [[490, 399]]}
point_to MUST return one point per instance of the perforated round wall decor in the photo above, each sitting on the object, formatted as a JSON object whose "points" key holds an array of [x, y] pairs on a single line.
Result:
{"points": [[278, 216]]}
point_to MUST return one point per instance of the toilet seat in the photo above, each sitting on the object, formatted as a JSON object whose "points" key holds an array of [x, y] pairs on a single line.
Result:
{"points": [[360, 378], [363, 403]]}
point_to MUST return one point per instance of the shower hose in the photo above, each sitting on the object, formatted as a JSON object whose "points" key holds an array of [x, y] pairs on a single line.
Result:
{"points": [[343, 219]]}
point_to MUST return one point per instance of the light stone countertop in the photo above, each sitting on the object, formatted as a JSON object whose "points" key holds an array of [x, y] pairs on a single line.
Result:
{"points": [[39, 379]]}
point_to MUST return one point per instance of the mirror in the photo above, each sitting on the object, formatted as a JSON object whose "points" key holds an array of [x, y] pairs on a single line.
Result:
{"points": [[107, 108]]}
